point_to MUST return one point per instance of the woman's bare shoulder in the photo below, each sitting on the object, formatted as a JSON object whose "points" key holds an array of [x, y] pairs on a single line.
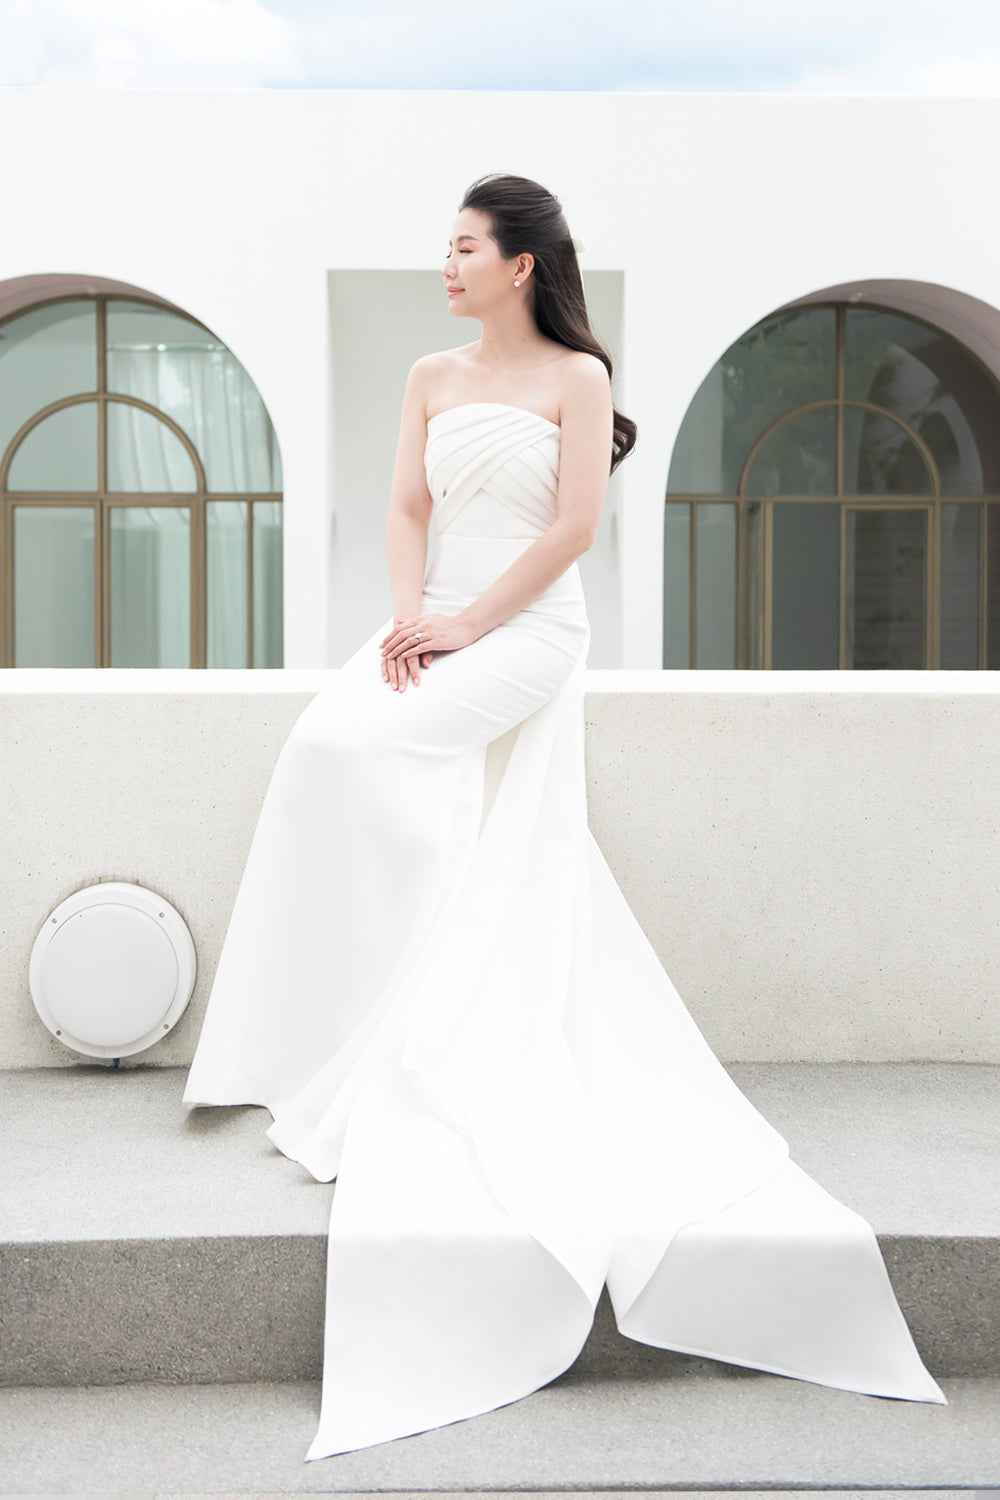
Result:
{"points": [[442, 362], [579, 366], [435, 378], [583, 382]]}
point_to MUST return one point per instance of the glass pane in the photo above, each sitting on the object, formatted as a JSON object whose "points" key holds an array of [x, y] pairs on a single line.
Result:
{"points": [[886, 596], [60, 453], [180, 368], [993, 586], [755, 511], [677, 585], [880, 458], [54, 586], [46, 353], [268, 608], [715, 585], [960, 586], [226, 562], [150, 586], [781, 364], [805, 586], [144, 455], [799, 458], [936, 386]]}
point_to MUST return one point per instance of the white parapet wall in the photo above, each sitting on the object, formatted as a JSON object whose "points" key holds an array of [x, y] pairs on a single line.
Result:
{"points": [[815, 856]]}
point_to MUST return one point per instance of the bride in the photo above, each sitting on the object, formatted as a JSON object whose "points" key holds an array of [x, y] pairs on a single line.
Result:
{"points": [[432, 980]]}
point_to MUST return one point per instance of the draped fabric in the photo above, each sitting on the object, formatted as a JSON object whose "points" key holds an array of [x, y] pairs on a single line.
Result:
{"points": [[434, 983]]}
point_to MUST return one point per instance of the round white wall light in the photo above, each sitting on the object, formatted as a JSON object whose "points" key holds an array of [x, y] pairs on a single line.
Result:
{"points": [[112, 969]]}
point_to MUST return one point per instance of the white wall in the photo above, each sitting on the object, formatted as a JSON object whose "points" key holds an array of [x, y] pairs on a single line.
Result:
{"points": [[239, 204], [814, 855]]}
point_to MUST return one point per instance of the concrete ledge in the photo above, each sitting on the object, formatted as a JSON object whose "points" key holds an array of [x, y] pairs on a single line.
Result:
{"points": [[814, 855], [122, 1260], [745, 1431]]}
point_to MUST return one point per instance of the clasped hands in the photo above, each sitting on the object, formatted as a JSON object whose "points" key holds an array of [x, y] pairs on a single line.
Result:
{"points": [[403, 655]]}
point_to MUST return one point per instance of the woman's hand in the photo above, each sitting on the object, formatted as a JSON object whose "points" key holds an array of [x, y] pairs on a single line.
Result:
{"points": [[403, 655], [397, 670]]}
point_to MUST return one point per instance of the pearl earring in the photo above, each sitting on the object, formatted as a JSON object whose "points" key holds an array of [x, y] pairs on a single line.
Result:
{"points": [[517, 283]]}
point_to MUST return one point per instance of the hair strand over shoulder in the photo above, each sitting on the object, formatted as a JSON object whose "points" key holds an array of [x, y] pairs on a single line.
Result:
{"points": [[527, 218]]}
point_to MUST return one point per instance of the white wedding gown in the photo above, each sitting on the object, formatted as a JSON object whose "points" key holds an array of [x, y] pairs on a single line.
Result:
{"points": [[433, 982]]}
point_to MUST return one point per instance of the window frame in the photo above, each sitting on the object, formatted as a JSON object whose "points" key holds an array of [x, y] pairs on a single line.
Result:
{"points": [[753, 616], [105, 500]]}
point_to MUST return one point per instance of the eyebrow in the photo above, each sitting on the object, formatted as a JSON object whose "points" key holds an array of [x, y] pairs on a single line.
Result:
{"points": [[463, 237]]}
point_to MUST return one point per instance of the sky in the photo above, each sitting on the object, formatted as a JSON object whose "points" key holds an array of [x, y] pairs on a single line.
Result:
{"points": [[674, 46]]}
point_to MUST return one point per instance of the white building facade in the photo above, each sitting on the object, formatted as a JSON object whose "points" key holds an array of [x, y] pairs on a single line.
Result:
{"points": [[224, 290]]}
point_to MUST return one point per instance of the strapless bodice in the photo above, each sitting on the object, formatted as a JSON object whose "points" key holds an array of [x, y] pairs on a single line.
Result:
{"points": [[492, 470]]}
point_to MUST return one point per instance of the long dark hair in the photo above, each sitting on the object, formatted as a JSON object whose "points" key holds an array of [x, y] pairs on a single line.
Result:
{"points": [[528, 218]]}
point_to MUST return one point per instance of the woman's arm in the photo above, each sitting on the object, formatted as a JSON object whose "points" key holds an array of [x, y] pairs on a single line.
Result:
{"points": [[408, 520], [410, 503], [587, 421]]}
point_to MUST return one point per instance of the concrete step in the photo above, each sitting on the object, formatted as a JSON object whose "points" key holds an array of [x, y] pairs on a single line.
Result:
{"points": [[143, 1242], [721, 1431]]}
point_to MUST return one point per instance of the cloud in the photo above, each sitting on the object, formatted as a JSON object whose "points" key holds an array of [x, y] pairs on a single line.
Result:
{"points": [[898, 46], [148, 43]]}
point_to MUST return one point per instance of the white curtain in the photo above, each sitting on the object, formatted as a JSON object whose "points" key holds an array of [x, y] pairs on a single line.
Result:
{"points": [[150, 586], [209, 394]]}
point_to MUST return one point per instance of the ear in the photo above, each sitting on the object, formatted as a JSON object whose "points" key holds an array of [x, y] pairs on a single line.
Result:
{"points": [[524, 263]]}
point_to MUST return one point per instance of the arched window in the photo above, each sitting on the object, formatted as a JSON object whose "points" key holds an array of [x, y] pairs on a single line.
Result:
{"points": [[834, 497], [140, 489]]}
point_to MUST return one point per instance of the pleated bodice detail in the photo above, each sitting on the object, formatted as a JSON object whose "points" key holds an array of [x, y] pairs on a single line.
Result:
{"points": [[492, 470], [493, 474]]}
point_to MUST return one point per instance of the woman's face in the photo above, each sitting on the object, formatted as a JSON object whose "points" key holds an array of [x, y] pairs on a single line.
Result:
{"points": [[476, 278]]}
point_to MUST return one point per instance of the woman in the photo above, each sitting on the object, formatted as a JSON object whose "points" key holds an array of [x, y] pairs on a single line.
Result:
{"points": [[432, 980]]}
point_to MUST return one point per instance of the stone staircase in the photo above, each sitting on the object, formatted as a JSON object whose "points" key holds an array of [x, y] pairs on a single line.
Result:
{"points": [[162, 1310]]}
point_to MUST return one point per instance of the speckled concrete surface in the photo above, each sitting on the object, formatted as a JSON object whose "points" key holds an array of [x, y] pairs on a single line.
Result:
{"points": [[148, 1242], [648, 1494], [601, 1494], [101, 1153], [815, 884], [915, 1147], [729, 1428]]}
